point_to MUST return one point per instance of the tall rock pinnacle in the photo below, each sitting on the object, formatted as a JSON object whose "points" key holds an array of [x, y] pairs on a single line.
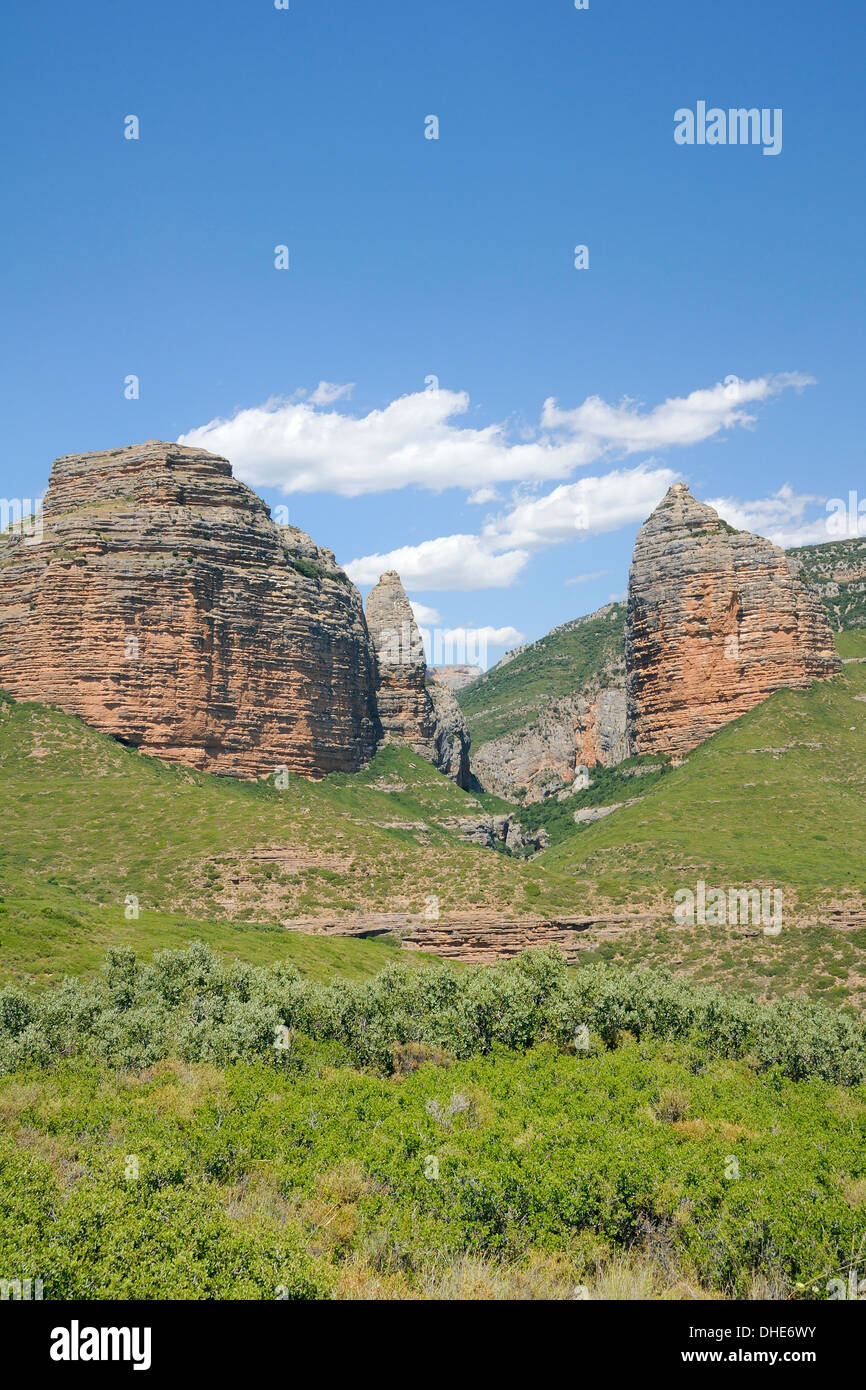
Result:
{"points": [[426, 718], [162, 605], [717, 620]]}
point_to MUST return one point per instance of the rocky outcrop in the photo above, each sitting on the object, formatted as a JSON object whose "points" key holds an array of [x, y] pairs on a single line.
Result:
{"points": [[561, 701], [162, 605], [564, 738], [450, 737], [493, 831], [837, 569], [587, 815], [424, 717], [476, 937], [717, 620], [455, 677]]}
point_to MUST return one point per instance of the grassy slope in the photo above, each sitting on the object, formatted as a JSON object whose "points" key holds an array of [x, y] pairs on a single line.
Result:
{"points": [[507, 696], [609, 786], [46, 934], [776, 799], [87, 822]]}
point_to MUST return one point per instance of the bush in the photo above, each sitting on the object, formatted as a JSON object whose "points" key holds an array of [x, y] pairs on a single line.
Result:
{"points": [[190, 1003]]}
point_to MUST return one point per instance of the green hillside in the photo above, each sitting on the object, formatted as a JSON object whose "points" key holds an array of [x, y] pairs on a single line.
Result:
{"points": [[558, 664], [88, 823], [779, 795], [46, 934], [838, 570], [775, 799]]}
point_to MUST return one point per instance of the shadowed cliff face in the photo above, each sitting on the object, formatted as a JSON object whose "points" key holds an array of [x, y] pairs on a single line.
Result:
{"points": [[426, 718], [717, 620], [162, 605]]}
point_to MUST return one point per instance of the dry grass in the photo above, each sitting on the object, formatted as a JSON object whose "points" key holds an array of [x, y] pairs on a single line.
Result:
{"points": [[855, 1192], [257, 1197], [629, 1277], [471, 1278], [187, 1086], [672, 1105]]}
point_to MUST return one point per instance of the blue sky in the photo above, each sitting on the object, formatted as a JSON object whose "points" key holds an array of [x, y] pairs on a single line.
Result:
{"points": [[452, 258]]}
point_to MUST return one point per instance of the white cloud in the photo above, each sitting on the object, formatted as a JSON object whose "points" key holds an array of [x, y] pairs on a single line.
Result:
{"points": [[306, 446], [328, 391], [458, 646], [497, 557], [588, 507], [487, 636], [483, 494], [587, 578], [780, 517], [448, 562], [424, 616], [294, 446], [678, 420]]}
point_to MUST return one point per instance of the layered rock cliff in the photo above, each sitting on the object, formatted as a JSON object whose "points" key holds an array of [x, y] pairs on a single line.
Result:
{"points": [[717, 620], [162, 605], [424, 717]]}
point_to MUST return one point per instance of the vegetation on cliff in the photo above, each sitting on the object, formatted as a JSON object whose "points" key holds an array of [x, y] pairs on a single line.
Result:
{"points": [[838, 571], [568, 658]]}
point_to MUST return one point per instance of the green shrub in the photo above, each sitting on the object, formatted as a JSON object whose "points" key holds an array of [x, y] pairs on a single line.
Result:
{"points": [[188, 1003]]}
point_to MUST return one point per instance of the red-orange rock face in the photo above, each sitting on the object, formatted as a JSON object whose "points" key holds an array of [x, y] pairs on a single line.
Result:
{"points": [[717, 620], [424, 718], [163, 606]]}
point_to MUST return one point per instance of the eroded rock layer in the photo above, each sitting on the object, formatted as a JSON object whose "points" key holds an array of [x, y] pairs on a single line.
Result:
{"points": [[425, 718], [162, 605], [717, 620]]}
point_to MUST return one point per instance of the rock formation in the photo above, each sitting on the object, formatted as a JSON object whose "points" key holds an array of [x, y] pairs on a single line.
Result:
{"points": [[162, 605], [490, 831], [556, 739], [545, 755], [424, 717], [450, 736], [717, 620], [478, 937], [455, 677]]}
